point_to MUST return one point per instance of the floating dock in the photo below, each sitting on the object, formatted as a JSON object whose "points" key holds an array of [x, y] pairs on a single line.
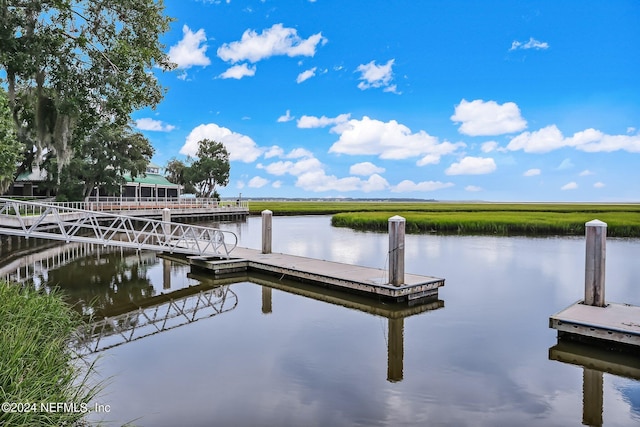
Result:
{"points": [[616, 323], [333, 275], [592, 319]]}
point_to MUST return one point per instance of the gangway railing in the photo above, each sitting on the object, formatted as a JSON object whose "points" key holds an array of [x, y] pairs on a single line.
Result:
{"points": [[46, 221], [113, 331]]}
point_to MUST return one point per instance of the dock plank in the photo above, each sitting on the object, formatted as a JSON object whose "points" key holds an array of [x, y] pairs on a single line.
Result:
{"points": [[367, 280], [615, 322]]}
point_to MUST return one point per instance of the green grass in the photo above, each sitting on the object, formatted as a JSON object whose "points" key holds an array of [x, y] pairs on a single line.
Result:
{"points": [[36, 364], [623, 220]]}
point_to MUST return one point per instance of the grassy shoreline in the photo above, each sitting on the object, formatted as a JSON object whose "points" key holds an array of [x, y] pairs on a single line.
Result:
{"points": [[36, 364], [623, 220]]}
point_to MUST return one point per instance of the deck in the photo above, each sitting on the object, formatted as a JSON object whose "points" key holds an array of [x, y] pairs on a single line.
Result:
{"points": [[615, 323], [368, 281]]}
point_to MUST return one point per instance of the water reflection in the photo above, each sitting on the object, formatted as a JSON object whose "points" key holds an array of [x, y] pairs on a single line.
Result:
{"points": [[595, 361]]}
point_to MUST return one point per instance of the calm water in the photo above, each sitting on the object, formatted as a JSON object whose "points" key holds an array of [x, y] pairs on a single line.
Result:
{"points": [[271, 357]]}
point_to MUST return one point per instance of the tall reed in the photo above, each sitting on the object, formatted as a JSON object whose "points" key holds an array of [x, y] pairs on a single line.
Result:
{"points": [[36, 363]]}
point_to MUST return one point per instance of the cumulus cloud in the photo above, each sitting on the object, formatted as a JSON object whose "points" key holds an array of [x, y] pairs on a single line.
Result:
{"points": [[532, 172], [408, 186], [276, 184], [307, 122], [598, 185], [569, 186], [153, 125], [590, 140], [376, 76], [472, 166], [585, 172], [306, 75], [238, 71], [311, 175], [365, 169], [257, 182], [190, 50], [472, 188], [273, 41], [240, 147], [388, 140], [480, 118], [531, 44], [287, 117]]}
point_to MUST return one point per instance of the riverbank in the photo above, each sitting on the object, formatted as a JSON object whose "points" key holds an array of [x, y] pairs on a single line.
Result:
{"points": [[37, 369], [469, 218]]}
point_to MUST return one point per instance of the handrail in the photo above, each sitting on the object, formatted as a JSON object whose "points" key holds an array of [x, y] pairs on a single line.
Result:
{"points": [[49, 221]]}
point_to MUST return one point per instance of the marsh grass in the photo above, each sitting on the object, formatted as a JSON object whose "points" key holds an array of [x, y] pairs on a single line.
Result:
{"points": [[623, 220], [619, 224], [36, 363]]}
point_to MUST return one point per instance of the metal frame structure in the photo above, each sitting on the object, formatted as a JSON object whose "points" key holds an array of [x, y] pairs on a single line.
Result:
{"points": [[47, 221], [134, 325]]}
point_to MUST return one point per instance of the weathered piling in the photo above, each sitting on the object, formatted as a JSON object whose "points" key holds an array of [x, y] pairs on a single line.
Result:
{"points": [[396, 250], [266, 231], [594, 273], [166, 218]]}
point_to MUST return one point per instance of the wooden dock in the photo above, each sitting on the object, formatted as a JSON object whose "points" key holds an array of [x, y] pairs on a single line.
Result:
{"points": [[592, 319], [368, 281], [616, 323]]}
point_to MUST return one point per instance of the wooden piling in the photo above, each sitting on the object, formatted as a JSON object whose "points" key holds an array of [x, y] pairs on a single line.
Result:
{"points": [[396, 250], [594, 273], [166, 218], [266, 231]]}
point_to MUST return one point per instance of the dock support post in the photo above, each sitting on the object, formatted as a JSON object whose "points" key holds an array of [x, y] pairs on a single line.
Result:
{"points": [[166, 217], [266, 231], [594, 271], [396, 250]]}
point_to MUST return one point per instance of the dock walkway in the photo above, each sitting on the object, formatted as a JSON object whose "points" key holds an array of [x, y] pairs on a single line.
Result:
{"points": [[335, 275]]}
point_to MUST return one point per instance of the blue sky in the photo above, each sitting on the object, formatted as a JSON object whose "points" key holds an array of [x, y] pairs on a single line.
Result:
{"points": [[448, 100]]}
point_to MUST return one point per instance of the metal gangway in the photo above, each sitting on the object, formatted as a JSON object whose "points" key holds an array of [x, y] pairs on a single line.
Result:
{"points": [[116, 330], [48, 221]]}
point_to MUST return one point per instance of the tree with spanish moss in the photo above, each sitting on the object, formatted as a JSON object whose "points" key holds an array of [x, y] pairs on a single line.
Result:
{"points": [[73, 66]]}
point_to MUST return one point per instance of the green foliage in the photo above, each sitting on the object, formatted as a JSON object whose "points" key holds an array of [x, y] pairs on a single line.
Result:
{"points": [[35, 361], [10, 149], [210, 169], [72, 66]]}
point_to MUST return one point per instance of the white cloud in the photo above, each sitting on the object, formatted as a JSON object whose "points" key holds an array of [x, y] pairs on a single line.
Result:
{"points": [[307, 122], [276, 184], [297, 153], [240, 147], [590, 140], [408, 186], [257, 182], [273, 41], [238, 71], [286, 118], [541, 141], [631, 129], [586, 172], [472, 166], [531, 44], [472, 188], [480, 118], [388, 140], [306, 75], [489, 146], [365, 169], [565, 164], [598, 185], [532, 172], [153, 125], [189, 51], [375, 76], [273, 151], [569, 186]]}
